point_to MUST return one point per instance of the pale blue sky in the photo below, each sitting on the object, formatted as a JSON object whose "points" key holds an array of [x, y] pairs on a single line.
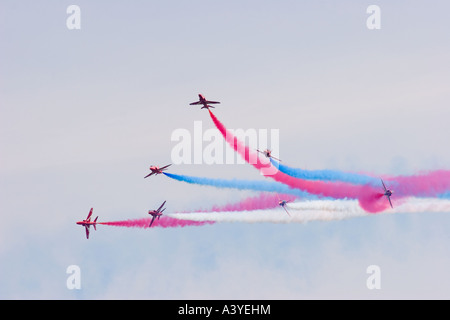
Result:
{"points": [[85, 112]]}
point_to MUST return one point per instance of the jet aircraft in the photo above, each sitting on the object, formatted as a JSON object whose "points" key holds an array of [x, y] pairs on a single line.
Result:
{"points": [[388, 193], [268, 154], [282, 203], [156, 213], [202, 101], [156, 170], [87, 223]]}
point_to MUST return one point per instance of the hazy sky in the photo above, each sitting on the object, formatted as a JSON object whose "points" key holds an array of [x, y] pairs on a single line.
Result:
{"points": [[85, 112]]}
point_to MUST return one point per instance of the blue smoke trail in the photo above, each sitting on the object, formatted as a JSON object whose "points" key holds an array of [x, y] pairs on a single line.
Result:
{"points": [[242, 185], [445, 195], [326, 175]]}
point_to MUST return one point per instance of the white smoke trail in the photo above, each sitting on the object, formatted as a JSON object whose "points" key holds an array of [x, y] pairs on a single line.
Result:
{"points": [[339, 205], [272, 216], [323, 210], [407, 205]]}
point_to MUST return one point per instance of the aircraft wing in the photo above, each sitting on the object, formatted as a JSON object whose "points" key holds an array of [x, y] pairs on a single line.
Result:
{"points": [[90, 214], [286, 211], [212, 102], [261, 151], [195, 103], [276, 159], [149, 175], [87, 231], [160, 207], [165, 167], [153, 219], [389, 198]]}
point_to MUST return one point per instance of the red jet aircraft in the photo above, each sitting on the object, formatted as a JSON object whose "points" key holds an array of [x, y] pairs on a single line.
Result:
{"points": [[202, 100], [87, 223], [156, 170], [156, 213], [388, 193], [282, 203], [268, 154]]}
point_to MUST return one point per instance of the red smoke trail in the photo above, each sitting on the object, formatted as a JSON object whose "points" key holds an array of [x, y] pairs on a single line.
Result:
{"points": [[366, 194], [262, 201], [429, 184], [163, 222]]}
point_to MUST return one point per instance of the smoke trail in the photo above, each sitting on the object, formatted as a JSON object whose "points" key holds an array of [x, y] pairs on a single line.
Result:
{"points": [[367, 195], [163, 222], [327, 175], [241, 184], [262, 201], [429, 184], [323, 210], [269, 216], [339, 205], [406, 205]]}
